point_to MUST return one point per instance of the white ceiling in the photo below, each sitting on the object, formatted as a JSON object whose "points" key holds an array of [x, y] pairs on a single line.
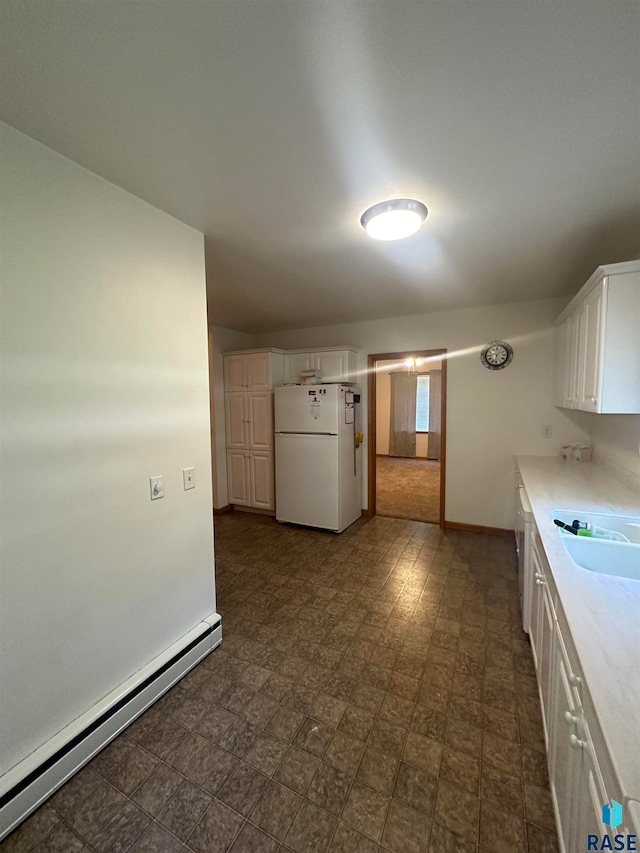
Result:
{"points": [[271, 124]]}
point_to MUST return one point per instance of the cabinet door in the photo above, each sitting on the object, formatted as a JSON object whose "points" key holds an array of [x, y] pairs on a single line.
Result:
{"points": [[545, 656], [295, 363], [258, 371], [236, 420], [559, 364], [562, 757], [535, 615], [592, 362], [262, 479], [575, 362], [588, 792], [234, 372], [567, 363], [260, 420], [238, 477], [332, 366]]}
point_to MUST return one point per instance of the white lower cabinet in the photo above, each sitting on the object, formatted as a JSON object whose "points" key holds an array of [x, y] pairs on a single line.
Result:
{"points": [[589, 789], [577, 787], [238, 477], [562, 758], [250, 478], [581, 775], [261, 480], [541, 633]]}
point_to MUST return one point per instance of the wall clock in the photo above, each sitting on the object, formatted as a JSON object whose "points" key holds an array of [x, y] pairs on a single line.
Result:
{"points": [[496, 355]]}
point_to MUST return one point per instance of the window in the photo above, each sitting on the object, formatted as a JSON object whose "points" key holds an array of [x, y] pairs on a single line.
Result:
{"points": [[422, 404]]}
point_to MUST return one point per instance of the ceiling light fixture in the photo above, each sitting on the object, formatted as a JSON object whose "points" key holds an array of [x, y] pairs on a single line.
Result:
{"points": [[394, 219]]}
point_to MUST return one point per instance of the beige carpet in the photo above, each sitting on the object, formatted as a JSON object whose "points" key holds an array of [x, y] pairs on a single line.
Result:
{"points": [[408, 488]]}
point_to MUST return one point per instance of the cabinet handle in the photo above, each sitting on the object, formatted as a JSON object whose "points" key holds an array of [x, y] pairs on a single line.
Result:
{"points": [[539, 582], [575, 742], [519, 485], [575, 680], [593, 399], [569, 718], [538, 575]]}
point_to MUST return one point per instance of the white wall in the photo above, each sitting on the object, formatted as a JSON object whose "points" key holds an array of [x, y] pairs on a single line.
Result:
{"points": [[223, 340], [616, 444], [491, 415], [104, 384]]}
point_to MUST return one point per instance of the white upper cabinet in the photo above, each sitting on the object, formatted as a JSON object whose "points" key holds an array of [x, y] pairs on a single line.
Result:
{"points": [[295, 363], [597, 364], [234, 372], [259, 371], [333, 365], [591, 370], [254, 370]]}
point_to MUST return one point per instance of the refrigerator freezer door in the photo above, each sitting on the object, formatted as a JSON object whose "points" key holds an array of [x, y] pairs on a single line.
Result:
{"points": [[308, 408], [307, 489]]}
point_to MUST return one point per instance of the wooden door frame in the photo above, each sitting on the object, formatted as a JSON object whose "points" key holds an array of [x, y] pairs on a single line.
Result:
{"points": [[371, 373]]}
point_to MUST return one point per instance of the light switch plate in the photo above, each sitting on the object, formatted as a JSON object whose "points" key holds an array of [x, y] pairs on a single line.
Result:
{"points": [[188, 478], [156, 486]]}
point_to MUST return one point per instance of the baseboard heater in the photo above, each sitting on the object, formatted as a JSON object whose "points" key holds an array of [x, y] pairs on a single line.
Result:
{"points": [[27, 785]]}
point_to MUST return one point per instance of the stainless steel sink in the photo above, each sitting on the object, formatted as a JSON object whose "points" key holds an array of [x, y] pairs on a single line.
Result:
{"points": [[604, 556]]}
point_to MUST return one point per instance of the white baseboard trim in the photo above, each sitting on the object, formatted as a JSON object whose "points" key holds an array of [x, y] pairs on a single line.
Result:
{"points": [[30, 782]]}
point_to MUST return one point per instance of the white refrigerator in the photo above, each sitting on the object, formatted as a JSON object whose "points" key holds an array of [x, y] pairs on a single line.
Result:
{"points": [[318, 467]]}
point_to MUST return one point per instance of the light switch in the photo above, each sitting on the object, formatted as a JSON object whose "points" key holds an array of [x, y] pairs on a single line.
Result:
{"points": [[156, 485], [188, 478]]}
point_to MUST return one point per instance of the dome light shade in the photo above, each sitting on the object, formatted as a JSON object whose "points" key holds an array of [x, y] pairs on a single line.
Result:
{"points": [[394, 219]]}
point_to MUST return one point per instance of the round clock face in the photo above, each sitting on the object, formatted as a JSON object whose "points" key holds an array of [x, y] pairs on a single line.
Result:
{"points": [[496, 355]]}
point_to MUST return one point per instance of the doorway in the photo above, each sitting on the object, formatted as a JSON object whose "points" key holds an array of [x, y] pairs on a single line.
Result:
{"points": [[407, 434]]}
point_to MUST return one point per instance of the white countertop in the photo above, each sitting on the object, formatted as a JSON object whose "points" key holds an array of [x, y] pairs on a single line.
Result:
{"points": [[603, 612]]}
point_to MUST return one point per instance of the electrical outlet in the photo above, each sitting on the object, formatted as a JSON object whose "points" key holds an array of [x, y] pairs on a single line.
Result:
{"points": [[156, 486], [546, 431], [188, 478]]}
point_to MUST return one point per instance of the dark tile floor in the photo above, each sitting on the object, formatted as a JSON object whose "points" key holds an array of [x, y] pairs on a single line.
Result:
{"points": [[373, 691]]}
